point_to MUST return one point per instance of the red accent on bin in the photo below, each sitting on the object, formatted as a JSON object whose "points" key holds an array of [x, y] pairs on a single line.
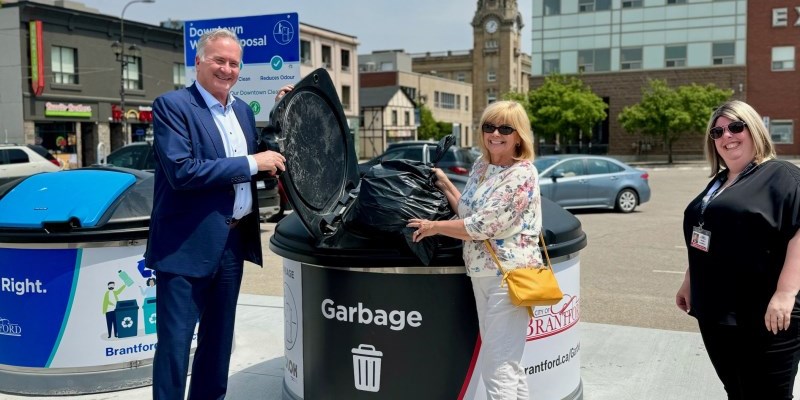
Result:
{"points": [[471, 369]]}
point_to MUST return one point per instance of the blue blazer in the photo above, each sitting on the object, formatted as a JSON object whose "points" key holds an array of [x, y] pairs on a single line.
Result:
{"points": [[194, 181]]}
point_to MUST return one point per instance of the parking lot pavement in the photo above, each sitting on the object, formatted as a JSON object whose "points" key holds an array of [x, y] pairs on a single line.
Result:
{"points": [[617, 362]]}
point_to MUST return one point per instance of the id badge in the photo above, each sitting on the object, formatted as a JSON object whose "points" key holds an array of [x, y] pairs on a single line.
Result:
{"points": [[701, 238]]}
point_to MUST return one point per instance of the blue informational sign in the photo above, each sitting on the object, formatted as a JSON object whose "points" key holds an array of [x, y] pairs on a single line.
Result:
{"points": [[270, 59]]}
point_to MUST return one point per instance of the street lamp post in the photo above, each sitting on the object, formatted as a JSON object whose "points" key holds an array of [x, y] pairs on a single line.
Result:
{"points": [[119, 51]]}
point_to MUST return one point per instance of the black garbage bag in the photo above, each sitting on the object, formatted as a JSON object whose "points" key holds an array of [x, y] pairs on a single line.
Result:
{"points": [[393, 192]]}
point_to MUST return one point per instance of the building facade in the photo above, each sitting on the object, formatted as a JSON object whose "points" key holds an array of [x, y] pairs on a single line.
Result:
{"points": [[337, 52], [61, 80], [773, 80], [496, 64], [387, 116], [616, 46], [448, 100]]}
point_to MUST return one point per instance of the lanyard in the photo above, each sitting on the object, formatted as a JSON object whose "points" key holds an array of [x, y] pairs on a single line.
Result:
{"points": [[716, 189]]}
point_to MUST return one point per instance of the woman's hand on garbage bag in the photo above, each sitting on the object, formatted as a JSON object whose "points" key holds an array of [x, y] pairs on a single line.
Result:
{"points": [[424, 227], [442, 181]]}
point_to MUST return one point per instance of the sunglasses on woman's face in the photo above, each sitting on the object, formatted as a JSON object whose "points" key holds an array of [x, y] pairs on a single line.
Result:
{"points": [[734, 127], [503, 129]]}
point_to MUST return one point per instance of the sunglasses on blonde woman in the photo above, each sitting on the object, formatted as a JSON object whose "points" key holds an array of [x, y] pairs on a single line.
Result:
{"points": [[503, 129], [734, 127]]}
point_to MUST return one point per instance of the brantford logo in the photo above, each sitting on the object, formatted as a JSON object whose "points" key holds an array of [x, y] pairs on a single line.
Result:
{"points": [[9, 329], [548, 321]]}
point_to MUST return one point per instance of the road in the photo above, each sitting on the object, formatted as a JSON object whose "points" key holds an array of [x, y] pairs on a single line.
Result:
{"points": [[630, 270]]}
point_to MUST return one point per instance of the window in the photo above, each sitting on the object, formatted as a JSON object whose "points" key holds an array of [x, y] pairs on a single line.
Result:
{"points": [[675, 56], [491, 76], [410, 91], [781, 131], [345, 60], [466, 103], [491, 44], [570, 168], [597, 167], [594, 60], [407, 116], [13, 156], [551, 63], [327, 62], [723, 53], [179, 75], [436, 99], [64, 62], [631, 3], [447, 101], [783, 58], [551, 7], [132, 75], [491, 98], [630, 59], [458, 102], [394, 117], [460, 77], [346, 97], [593, 5], [676, 2], [305, 52], [387, 66]]}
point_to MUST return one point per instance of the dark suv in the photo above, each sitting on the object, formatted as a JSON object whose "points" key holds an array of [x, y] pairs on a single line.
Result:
{"points": [[140, 156], [456, 161]]}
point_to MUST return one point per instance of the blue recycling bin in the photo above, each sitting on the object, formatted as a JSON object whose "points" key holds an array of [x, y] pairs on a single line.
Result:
{"points": [[71, 248], [149, 315], [127, 313]]}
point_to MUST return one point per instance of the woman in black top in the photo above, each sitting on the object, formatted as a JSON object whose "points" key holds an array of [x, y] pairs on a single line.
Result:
{"points": [[743, 245]]}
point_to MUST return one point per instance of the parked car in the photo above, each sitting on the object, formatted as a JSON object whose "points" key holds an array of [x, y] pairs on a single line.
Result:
{"points": [[585, 181], [139, 155], [17, 161], [456, 161]]}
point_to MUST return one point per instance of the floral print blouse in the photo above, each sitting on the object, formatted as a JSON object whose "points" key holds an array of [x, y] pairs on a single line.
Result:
{"points": [[501, 204]]}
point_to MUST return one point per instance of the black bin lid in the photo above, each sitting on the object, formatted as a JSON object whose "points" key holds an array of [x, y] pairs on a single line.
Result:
{"points": [[321, 163]]}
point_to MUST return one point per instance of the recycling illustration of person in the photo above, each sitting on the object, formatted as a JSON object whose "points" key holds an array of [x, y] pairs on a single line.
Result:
{"points": [[110, 300]]}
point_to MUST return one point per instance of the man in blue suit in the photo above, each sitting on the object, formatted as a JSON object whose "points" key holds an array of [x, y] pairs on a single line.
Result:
{"points": [[202, 227]]}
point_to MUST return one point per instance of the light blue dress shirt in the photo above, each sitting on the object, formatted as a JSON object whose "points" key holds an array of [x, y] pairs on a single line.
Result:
{"points": [[235, 146]]}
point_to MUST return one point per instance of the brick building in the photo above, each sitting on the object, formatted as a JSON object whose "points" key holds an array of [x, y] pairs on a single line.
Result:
{"points": [[773, 81], [615, 46]]}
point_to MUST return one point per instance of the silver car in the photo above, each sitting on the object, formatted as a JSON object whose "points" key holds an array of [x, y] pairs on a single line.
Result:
{"points": [[585, 181]]}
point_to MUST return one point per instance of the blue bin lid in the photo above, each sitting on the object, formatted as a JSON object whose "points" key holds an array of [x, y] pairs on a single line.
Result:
{"points": [[82, 195]]}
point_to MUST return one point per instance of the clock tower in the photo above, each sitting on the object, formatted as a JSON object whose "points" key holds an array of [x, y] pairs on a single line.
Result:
{"points": [[499, 66]]}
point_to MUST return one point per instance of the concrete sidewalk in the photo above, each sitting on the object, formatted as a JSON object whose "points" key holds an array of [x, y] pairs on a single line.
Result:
{"points": [[617, 362]]}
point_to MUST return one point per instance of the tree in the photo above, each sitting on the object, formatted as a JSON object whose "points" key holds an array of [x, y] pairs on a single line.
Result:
{"points": [[668, 113], [563, 107], [429, 128]]}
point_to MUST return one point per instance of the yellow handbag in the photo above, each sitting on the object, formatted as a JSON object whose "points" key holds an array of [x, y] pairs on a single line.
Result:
{"points": [[530, 286]]}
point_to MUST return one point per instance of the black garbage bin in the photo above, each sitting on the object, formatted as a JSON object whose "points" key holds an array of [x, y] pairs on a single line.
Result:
{"points": [[363, 318], [72, 281]]}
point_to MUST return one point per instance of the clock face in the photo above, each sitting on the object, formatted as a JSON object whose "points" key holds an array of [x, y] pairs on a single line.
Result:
{"points": [[491, 26]]}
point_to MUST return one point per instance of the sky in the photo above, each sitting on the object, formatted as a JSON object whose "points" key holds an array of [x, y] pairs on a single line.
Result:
{"points": [[413, 25]]}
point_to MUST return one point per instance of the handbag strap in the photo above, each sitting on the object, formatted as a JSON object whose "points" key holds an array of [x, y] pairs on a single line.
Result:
{"points": [[500, 266]]}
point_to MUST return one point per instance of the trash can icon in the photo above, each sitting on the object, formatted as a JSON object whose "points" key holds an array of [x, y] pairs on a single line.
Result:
{"points": [[149, 315], [367, 368], [127, 312]]}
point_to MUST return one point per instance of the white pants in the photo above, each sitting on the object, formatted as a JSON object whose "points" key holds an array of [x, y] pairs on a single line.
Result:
{"points": [[503, 327]]}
